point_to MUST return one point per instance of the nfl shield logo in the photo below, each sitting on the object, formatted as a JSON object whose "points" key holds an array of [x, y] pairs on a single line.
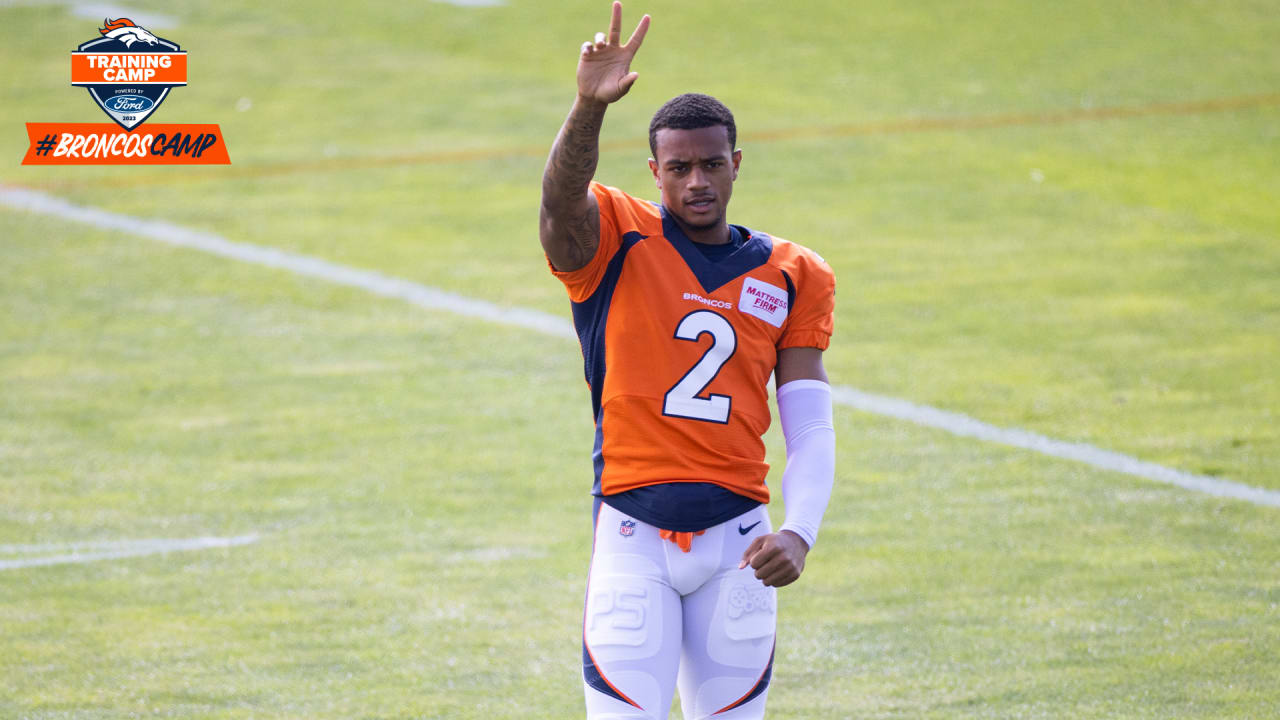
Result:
{"points": [[128, 71], [627, 528]]}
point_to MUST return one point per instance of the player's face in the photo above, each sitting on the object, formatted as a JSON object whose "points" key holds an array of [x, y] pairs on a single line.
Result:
{"points": [[695, 170]]}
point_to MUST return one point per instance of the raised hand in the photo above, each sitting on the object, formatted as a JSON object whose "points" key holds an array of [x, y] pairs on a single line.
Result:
{"points": [[604, 67], [569, 221]]}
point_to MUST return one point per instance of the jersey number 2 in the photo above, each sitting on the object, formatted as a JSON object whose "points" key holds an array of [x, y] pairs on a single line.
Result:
{"points": [[682, 399]]}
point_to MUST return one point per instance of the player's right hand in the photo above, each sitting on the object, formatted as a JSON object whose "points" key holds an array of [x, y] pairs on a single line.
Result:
{"points": [[604, 67]]}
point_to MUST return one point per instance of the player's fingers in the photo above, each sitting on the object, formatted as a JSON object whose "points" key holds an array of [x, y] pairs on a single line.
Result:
{"points": [[586, 48], [777, 572], [637, 37], [781, 577], [599, 40], [768, 576], [767, 553], [750, 551], [628, 81], [615, 24], [770, 566]]}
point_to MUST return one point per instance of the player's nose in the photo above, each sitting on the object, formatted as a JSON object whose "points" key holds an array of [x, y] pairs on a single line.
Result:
{"points": [[698, 178]]}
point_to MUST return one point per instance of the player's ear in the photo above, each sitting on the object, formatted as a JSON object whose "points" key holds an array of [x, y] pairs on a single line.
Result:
{"points": [[653, 168], [737, 160]]}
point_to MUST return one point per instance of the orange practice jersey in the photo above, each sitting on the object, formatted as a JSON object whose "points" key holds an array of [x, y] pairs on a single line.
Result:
{"points": [[679, 349]]}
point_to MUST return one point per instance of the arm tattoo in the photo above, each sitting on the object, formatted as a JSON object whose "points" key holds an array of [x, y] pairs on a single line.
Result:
{"points": [[566, 229]]}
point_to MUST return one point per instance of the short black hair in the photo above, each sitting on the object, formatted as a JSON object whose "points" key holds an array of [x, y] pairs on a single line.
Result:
{"points": [[690, 112]]}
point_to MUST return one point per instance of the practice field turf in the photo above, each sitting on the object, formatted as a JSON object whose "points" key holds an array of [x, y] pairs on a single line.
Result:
{"points": [[1060, 218]]}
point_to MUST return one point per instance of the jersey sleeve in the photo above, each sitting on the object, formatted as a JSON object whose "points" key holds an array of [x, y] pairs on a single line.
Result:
{"points": [[581, 283], [811, 321]]}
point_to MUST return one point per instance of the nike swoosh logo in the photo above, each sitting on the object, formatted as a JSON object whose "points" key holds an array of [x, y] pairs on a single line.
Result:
{"points": [[747, 529]]}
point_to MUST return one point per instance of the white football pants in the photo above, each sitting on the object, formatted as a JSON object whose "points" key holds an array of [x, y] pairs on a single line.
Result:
{"points": [[655, 613]]}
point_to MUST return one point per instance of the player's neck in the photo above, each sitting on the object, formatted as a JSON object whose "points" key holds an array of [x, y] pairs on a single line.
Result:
{"points": [[715, 235]]}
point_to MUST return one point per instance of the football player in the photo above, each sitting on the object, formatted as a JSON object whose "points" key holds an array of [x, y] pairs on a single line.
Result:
{"points": [[683, 317]]}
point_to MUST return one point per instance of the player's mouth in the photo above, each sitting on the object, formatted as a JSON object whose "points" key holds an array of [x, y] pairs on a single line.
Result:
{"points": [[701, 204]]}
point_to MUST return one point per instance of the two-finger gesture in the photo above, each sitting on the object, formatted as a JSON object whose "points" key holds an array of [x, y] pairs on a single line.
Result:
{"points": [[604, 67]]}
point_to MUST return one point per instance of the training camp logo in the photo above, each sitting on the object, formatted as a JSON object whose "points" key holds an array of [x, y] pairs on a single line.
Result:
{"points": [[128, 71]]}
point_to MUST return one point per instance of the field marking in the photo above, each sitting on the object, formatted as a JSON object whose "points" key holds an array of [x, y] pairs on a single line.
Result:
{"points": [[94, 551], [966, 426], [368, 280], [98, 11], [897, 126], [439, 300]]}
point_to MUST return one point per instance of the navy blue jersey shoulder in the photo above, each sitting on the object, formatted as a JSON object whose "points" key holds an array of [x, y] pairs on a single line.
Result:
{"points": [[791, 289]]}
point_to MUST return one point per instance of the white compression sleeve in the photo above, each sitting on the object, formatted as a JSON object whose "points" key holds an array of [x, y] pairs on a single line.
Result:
{"points": [[805, 409]]}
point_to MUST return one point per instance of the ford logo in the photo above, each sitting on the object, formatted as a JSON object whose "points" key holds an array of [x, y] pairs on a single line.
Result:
{"points": [[128, 103]]}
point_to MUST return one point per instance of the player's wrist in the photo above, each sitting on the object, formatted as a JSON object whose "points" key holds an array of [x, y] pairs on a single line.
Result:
{"points": [[804, 544], [590, 103]]}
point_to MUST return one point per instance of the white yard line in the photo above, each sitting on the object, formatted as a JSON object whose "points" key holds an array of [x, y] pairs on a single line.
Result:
{"points": [[965, 426], [554, 325], [99, 11], [145, 18], [86, 552], [368, 280]]}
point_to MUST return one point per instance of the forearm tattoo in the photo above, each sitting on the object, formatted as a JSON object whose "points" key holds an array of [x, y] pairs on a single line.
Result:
{"points": [[565, 182]]}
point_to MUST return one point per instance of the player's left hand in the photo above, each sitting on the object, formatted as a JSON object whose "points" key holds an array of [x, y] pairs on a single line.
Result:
{"points": [[778, 558]]}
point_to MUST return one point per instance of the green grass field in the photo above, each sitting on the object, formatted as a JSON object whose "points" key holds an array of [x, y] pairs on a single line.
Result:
{"points": [[1060, 218]]}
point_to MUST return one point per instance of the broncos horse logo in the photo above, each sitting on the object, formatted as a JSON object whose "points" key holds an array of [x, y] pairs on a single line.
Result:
{"points": [[126, 32]]}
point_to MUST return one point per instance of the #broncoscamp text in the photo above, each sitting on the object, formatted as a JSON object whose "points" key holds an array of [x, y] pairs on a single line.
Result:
{"points": [[107, 145]]}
